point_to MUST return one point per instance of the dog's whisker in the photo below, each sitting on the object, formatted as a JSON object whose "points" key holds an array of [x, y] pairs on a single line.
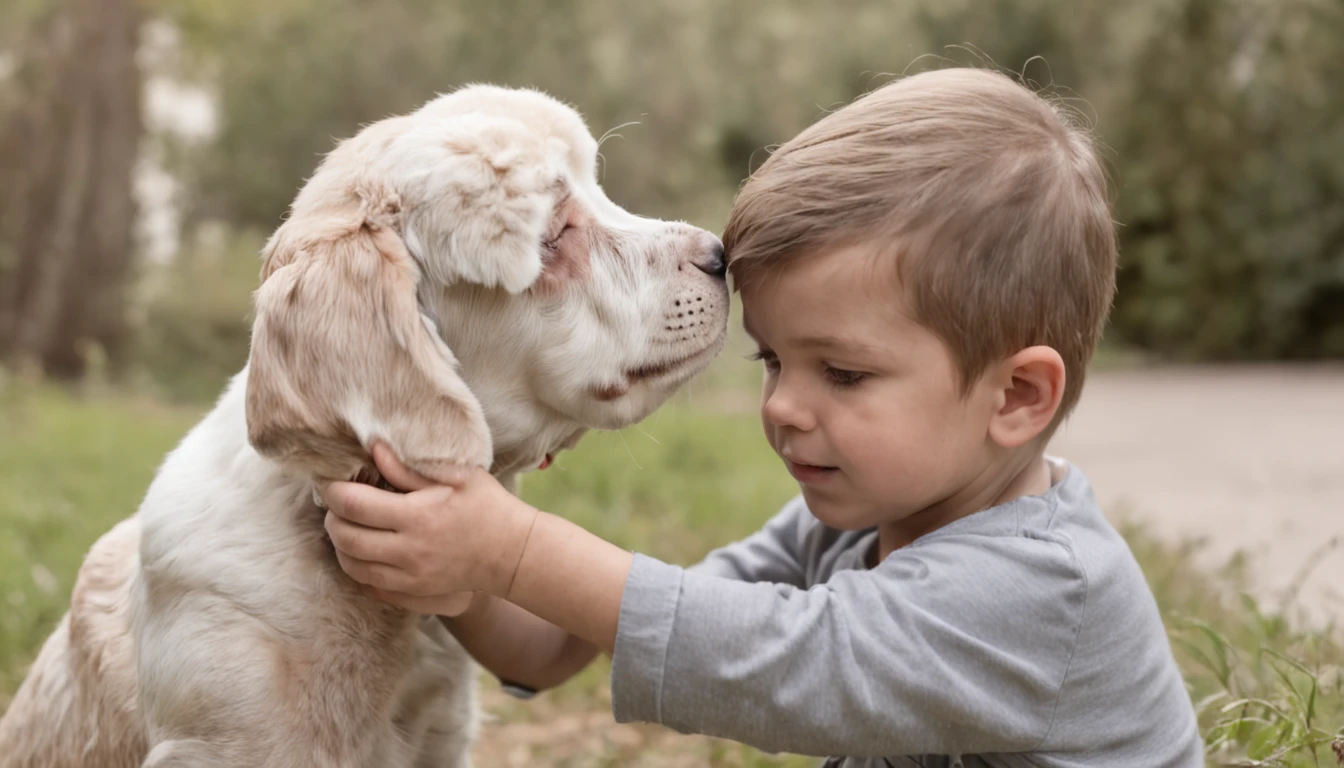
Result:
{"points": [[646, 434], [632, 453], [612, 132]]}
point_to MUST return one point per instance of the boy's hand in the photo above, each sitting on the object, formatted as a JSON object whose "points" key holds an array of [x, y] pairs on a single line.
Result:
{"points": [[430, 548], [422, 549]]}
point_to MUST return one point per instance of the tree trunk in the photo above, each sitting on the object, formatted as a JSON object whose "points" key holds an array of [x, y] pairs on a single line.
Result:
{"points": [[67, 152]]}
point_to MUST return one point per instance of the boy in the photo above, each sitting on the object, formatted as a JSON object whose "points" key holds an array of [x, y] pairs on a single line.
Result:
{"points": [[926, 273]]}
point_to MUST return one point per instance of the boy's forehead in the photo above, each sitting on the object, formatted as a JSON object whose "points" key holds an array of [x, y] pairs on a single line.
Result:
{"points": [[835, 300], [865, 273]]}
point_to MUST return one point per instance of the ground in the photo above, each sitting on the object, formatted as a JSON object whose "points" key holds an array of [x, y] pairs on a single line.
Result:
{"points": [[1249, 459]]}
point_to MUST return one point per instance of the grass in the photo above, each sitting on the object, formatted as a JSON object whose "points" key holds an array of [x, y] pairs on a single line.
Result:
{"points": [[69, 469], [693, 476]]}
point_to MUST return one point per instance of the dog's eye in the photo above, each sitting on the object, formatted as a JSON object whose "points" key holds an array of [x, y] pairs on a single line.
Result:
{"points": [[554, 242]]}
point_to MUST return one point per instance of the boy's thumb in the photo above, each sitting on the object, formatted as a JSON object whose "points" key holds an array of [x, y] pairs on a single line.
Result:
{"points": [[395, 472]]}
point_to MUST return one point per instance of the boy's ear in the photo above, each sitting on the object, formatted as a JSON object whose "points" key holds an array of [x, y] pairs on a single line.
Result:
{"points": [[1031, 385]]}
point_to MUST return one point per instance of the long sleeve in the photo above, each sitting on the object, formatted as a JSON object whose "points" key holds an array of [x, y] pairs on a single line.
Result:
{"points": [[961, 645]]}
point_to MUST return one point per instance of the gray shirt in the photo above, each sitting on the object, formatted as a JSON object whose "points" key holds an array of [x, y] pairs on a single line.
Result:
{"points": [[1022, 635]]}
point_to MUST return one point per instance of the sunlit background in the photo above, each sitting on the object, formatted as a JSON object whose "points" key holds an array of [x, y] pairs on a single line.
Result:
{"points": [[148, 148]]}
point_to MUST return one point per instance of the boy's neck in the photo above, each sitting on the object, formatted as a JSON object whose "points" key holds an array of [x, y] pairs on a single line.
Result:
{"points": [[1028, 475]]}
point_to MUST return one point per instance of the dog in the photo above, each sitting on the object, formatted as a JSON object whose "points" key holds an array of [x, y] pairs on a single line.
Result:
{"points": [[452, 281]]}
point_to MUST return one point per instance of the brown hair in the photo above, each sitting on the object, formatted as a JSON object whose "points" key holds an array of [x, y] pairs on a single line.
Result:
{"points": [[994, 199]]}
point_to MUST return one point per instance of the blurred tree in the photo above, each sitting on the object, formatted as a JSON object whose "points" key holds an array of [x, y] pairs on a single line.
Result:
{"points": [[1232, 163], [686, 94], [293, 77], [1224, 117], [695, 87], [1027, 37], [197, 327], [69, 132]]}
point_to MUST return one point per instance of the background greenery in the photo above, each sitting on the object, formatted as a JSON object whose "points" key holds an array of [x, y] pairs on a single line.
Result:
{"points": [[1223, 123]]}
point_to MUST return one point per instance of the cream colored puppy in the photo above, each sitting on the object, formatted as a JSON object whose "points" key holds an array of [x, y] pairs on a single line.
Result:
{"points": [[453, 282]]}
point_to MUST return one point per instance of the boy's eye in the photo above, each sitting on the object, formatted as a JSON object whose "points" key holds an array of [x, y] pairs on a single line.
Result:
{"points": [[843, 378], [554, 243], [765, 356]]}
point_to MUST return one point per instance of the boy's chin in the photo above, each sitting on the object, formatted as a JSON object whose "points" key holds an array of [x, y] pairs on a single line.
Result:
{"points": [[838, 513]]}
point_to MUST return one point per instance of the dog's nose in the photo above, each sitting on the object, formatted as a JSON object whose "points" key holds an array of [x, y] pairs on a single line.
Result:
{"points": [[714, 263]]}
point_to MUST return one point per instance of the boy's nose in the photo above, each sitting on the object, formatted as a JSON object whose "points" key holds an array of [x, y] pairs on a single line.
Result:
{"points": [[782, 410]]}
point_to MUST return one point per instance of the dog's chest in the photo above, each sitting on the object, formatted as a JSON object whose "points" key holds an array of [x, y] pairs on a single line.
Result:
{"points": [[366, 683], [397, 684], [401, 677]]}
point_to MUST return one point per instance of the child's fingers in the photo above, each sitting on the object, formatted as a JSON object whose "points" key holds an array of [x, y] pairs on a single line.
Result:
{"points": [[373, 545], [364, 504], [395, 472], [380, 576]]}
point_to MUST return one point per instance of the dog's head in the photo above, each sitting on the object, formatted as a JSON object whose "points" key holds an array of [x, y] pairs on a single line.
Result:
{"points": [[456, 283]]}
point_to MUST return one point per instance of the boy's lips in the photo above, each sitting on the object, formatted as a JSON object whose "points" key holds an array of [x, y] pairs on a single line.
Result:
{"points": [[808, 473]]}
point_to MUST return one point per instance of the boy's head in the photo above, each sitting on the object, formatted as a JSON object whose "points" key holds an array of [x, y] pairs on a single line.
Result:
{"points": [[968, 206]]}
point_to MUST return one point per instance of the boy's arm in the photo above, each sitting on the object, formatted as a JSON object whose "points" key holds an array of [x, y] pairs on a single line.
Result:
{"points": [[517, 647], [942, 651], [955, 646], [938, 650], [569, 577], [774, 553], [521, 648]]}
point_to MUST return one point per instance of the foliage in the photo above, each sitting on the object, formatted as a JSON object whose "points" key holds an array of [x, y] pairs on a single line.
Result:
{"points": [[197, 317], [1232, 154], [70, 468], [1225, 136], [682, 81], [1224, 128], [69, 130], [1268, 692]]}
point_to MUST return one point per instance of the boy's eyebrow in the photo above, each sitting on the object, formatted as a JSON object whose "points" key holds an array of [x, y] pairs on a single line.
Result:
{"points": [[824, 341], [829, 341]]}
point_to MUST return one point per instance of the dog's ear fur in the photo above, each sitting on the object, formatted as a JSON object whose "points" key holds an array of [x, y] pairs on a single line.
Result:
{"points": [[342, 355]]}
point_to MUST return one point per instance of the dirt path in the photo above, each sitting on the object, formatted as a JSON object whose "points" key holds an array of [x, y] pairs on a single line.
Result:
{"points": [[1248, 458]]}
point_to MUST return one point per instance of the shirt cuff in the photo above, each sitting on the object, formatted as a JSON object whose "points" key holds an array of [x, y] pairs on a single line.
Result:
{"points": [[648, 609]]}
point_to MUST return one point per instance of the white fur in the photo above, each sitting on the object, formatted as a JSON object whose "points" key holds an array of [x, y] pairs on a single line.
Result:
{"points": [[214, 627]]}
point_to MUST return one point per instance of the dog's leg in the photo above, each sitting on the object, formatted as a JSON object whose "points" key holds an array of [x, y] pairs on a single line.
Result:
{"points": [[440, 710], [221, 687]]}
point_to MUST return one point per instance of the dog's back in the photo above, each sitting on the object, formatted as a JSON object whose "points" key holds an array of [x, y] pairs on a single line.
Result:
{"points": [[77, 707]]}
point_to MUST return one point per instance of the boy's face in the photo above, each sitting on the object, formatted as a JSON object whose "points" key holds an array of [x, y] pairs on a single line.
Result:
{"points": [[863, 404]]}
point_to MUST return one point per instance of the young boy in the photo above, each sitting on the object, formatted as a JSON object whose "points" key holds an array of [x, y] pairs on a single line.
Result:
{"points": [[926, 272]]}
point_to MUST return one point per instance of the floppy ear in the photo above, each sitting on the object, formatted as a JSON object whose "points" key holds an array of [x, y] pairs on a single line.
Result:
{"points": [[342, 356]]}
